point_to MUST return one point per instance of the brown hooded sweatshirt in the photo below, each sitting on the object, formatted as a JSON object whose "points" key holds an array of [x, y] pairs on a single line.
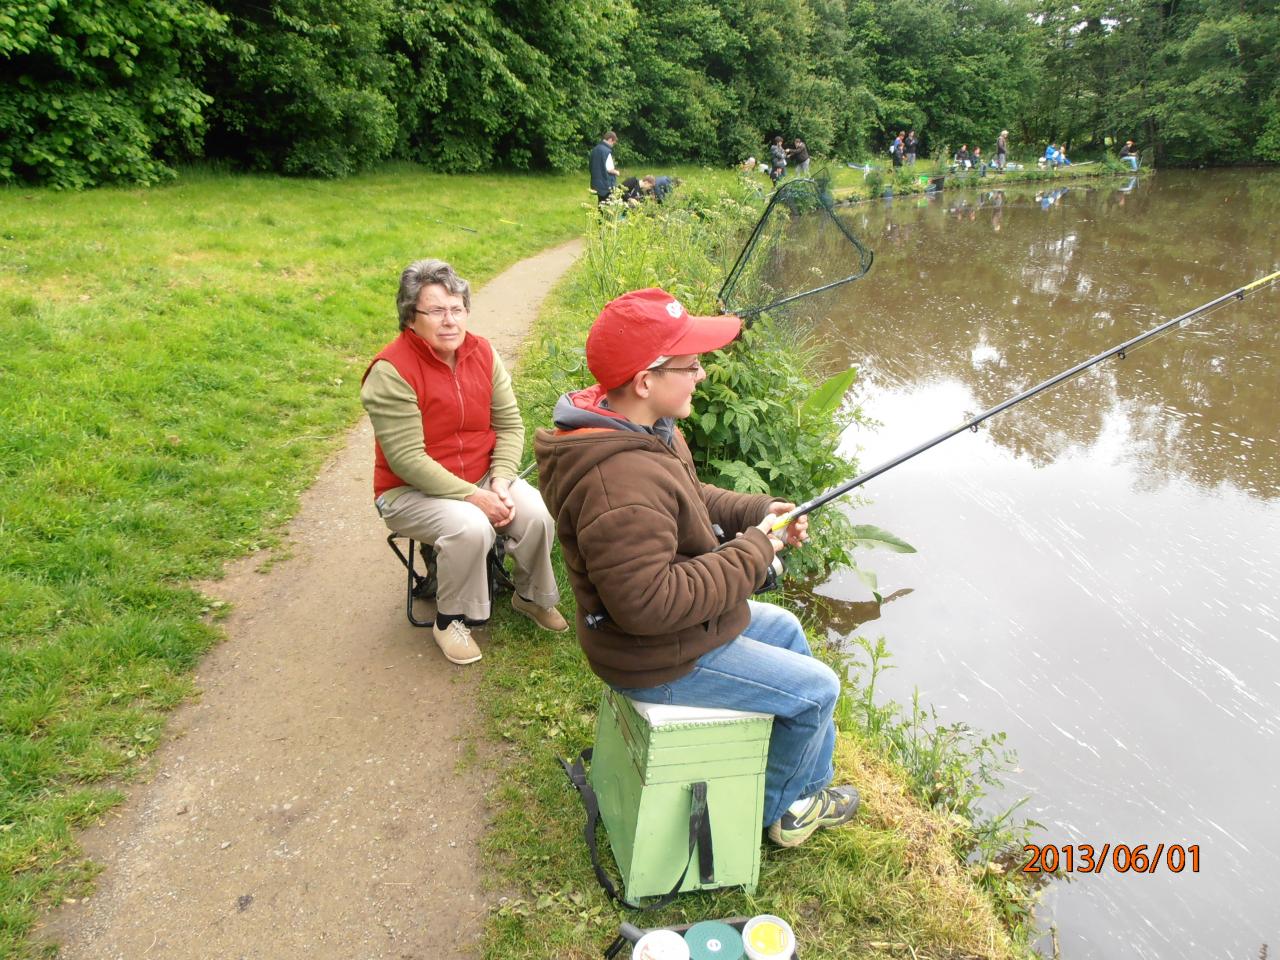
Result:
{"points": [[635, 525]]}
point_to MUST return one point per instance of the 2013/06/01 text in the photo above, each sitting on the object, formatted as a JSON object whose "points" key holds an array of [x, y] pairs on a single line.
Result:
{"points": [[1120, 857]]}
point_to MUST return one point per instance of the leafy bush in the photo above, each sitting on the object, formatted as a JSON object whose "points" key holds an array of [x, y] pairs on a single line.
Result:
{"points": [[905, 179], [760, 424], [99, 93]]}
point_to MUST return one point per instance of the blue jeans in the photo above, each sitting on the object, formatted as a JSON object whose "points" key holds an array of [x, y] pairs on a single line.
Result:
{"points": [[769, 669]]}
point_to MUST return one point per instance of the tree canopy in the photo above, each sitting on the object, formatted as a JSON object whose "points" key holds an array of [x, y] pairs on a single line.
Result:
{"points": [[95, 91]]}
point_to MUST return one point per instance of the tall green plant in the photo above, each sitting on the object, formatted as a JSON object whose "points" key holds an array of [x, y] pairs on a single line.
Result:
{"points": [[759, 425], [762, 420]]}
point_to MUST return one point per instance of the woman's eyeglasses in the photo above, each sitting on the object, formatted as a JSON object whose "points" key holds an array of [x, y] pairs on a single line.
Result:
{"points": [[439, 313]]}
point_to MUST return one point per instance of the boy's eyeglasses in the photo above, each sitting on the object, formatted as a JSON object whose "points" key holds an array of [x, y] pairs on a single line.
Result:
{"points": [[695, 369]]}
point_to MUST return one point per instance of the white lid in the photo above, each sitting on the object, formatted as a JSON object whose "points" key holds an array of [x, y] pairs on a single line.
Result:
{"points": [[659, 713], [660, 945]]}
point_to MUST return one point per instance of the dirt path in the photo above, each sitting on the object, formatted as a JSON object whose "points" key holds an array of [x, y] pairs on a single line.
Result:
{"points": [[323, 797]]}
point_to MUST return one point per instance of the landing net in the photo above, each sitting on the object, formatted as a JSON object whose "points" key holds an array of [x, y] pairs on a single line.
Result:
{"points": [[800, 246]]}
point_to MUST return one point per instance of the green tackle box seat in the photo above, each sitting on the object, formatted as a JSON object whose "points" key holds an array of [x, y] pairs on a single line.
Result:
{"points": [[646, 759]]}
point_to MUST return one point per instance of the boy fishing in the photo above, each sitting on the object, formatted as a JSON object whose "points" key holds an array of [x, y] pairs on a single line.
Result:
{"points": [[664, 608]]}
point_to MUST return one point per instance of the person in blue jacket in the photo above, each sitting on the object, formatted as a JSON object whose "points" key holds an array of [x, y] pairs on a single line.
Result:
{"points": [[662, 186], [604, 175]]}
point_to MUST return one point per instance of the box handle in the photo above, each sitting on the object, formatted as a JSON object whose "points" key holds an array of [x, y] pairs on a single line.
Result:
{"points": [[699, 834]]}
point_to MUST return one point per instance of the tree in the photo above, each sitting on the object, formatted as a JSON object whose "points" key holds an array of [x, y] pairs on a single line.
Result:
{"points": [[94, 92], [957, 71], [99, 90], [1220, 71], [1196, 81], [522, 84], [304, 86], [679, 52]]}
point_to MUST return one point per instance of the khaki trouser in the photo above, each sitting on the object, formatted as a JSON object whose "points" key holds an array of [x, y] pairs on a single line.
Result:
{"points": [[462, 537]]}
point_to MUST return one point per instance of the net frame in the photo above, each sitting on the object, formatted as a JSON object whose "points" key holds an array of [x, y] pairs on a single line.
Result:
{"points": [[797, 196]]}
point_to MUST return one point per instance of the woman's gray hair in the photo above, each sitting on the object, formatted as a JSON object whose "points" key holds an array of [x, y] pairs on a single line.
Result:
{"points": [[424, 273]]}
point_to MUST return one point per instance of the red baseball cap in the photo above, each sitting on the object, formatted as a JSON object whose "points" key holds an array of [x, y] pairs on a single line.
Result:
{"points": [[635, 329]]}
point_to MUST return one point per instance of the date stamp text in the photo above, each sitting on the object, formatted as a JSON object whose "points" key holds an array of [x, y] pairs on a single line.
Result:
{"points": [[1117, 857]]}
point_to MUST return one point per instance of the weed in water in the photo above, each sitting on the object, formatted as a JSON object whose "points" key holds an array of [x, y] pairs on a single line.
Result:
{"points": [[952, 768]]}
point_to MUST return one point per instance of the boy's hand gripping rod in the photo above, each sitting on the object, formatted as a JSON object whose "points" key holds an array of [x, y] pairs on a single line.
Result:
{"points": [[972, 423]]}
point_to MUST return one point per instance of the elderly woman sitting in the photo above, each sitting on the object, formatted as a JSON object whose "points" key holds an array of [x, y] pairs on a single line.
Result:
{"points": [[448, 438]]}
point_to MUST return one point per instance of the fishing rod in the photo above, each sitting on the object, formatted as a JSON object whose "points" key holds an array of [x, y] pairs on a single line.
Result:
{"points": [[972, 423]]}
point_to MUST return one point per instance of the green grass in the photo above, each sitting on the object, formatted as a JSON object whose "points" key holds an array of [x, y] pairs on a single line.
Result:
{"points": [[178, 362]]}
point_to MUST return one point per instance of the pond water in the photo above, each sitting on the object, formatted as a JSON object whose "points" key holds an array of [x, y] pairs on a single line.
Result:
{"points": [[1099, 568]]}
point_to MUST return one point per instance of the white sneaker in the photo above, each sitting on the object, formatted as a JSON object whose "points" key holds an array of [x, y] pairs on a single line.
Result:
{"points": [[455, 642]]}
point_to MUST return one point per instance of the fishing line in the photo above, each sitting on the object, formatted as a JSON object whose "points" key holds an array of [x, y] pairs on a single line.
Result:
{"points": [[1119, 351]]}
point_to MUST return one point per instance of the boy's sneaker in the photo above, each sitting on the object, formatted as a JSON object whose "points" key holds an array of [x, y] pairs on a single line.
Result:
{"points": [[455, 642], [829, 807], [548, 618]]}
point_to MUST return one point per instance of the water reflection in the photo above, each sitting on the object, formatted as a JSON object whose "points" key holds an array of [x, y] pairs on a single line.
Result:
{"points": [[1097, 571], [1058, 289]]}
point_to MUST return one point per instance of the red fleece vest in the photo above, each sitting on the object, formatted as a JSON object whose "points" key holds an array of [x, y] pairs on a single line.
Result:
{"points": [[455, 405]]}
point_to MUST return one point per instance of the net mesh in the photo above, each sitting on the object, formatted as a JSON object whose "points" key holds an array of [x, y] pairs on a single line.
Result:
{"points": [[800, 246]]}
